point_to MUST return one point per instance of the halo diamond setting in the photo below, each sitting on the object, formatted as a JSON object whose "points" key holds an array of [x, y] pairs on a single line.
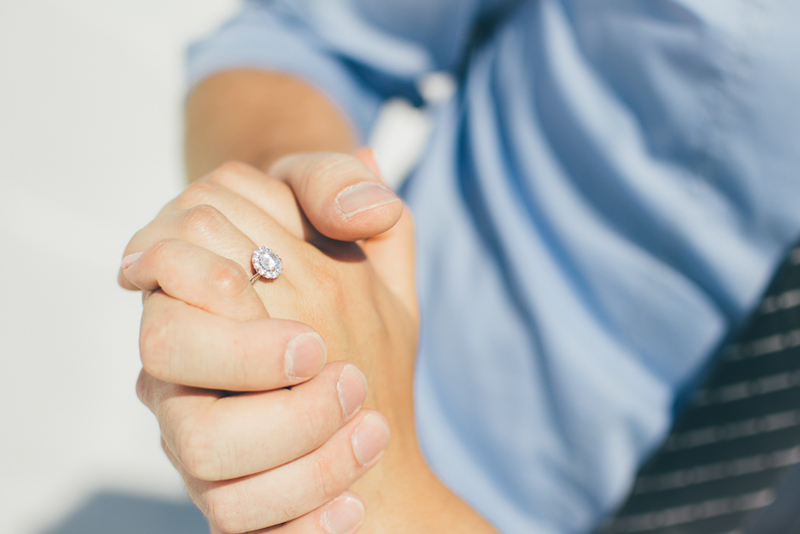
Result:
{"points": [[267, 263]]}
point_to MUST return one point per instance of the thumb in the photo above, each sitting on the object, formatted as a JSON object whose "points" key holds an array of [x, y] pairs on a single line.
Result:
{"points": [[367, 157], [342, 195]]}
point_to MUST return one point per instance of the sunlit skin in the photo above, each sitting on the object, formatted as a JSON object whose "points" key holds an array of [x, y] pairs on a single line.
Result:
{"points": [[269, 457]]}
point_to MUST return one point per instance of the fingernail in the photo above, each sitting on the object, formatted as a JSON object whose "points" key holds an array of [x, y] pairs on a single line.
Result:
{"points": [[362, 197], [305, 355], [343, 516], [370, 438], [352, 388], [128, 260]]}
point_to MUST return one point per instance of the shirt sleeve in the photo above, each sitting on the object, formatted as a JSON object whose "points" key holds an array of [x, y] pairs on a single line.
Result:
{"points": [[336, 46]]}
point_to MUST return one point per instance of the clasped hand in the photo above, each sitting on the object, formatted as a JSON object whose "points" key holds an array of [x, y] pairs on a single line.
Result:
{"points": [[265, 433]]}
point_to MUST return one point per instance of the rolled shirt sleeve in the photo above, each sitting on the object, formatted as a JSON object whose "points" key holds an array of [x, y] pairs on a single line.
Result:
{"points": [[602, 201], [333, 45]]}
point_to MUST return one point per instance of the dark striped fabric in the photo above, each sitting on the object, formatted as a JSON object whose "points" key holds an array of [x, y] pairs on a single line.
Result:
{"points": [[731, 463]]}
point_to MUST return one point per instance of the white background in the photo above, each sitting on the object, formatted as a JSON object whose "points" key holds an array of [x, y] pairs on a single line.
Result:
{"points": [[90, 142], [90, 102]]}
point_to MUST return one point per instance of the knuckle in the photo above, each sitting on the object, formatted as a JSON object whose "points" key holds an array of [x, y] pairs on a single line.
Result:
{"points": [[159, 251], [199, 192], [203, 219], [231, 171], [153, 347], [223, 507], [163, 257], [229, 278], [196, 446]]}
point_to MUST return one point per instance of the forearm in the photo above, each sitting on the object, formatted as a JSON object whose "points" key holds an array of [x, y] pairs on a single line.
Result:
{"points": [[405, 497], [402, 494], [256, 117]]}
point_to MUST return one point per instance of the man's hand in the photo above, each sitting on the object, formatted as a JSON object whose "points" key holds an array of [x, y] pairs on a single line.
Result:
{"points": [[224, 340], [342, 196], [361, 299], [258, 117]]}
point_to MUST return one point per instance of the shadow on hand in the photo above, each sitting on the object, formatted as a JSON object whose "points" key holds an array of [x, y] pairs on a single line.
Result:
{"points": [[114, 512], [344, 251]]}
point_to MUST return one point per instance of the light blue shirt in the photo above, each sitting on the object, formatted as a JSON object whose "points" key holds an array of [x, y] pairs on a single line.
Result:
{"points": [[602, 201]]}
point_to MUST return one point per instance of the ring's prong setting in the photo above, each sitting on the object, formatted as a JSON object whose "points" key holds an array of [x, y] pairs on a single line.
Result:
{"points": [[267, 264]]}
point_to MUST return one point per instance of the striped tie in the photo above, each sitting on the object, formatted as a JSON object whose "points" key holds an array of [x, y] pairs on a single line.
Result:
{"points": [[728, 464]]}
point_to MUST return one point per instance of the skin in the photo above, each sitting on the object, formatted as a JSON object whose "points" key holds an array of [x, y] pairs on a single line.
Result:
{"points": [[269, 458], [258, 117]]}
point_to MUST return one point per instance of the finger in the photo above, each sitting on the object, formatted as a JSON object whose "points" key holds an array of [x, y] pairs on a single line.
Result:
{"points": [[220, 437], [239, 179], [295, 489], [207, 226], [367, 157], [121, 280], [203, 225], [186, 345], [392, 255], [342, 515], [341, 196], [156, 394], [197, 276], [250, 225], [200, 214], [210, 214]]}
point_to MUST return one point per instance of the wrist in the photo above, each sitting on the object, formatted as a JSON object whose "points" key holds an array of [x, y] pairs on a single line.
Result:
{"points": [[403, 495], [256, 117]]}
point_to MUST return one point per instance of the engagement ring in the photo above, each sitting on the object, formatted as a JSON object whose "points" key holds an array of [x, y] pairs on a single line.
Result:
{"points": [[267, 264]]}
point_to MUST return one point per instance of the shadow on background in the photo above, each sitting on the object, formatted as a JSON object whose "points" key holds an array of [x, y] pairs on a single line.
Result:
{"points": [[113, 512]]}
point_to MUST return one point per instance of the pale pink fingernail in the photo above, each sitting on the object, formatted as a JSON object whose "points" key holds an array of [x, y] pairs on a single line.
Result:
{"points": [[130, 259], [362, 197], [352, 388], [305, 355], [343, 516], [370, 438]]}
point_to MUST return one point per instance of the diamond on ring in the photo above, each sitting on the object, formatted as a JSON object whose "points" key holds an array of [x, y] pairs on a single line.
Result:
{"points": [[266, 263]]}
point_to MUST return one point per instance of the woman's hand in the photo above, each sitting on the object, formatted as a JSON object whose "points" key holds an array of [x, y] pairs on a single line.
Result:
{"points": [[359, 298], [212, 437]]}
